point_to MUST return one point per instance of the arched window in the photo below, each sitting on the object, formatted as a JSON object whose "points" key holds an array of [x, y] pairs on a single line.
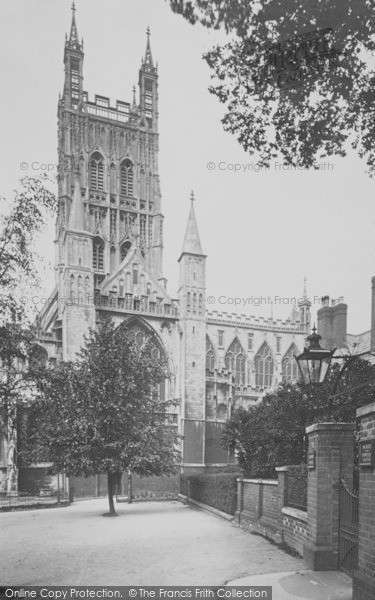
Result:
{"points": [[222, 412], [200, 305], [264, 366], [139, 334], [125, 247], [72, 288], [96, 172], [98, 254], [126, 178], [113, 258], [188, 303], [289, 364], [210, 356], [235, 361], [87, 290], [80, 290]]}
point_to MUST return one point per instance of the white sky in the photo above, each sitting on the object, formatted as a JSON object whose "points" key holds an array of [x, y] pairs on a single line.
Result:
{"points": [[263, 232]]}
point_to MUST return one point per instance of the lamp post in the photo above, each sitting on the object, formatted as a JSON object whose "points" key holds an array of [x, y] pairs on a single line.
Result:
{"points": [[314, 364]]}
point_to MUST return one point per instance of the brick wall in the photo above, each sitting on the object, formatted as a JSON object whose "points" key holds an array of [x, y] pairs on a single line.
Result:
{"points": [[364, 577], [333, 447], [295, 528], [261, 508]]}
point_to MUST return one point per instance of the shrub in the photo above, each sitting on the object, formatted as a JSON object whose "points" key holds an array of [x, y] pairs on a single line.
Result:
{"points": [[218, 490]]}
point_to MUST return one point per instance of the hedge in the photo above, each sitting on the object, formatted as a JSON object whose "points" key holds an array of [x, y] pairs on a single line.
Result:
{"points": [[218, 490]]}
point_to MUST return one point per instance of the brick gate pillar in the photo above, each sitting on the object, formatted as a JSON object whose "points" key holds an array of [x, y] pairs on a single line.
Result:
{"points": [[364, 576], [330, 458]]}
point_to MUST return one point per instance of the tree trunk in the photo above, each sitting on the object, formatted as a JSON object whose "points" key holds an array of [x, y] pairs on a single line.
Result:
{"points": [[130, 487], [12, 469], [110, 493]]}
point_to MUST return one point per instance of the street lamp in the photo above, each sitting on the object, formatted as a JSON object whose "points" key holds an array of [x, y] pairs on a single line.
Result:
{"points": [[314, 362]]}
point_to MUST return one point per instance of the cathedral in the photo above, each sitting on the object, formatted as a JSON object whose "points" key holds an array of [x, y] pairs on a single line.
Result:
{"points": [[109, 262]]}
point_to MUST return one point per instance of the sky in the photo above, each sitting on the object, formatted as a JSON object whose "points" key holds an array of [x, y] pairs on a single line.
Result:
{"points": [[263, 232]]}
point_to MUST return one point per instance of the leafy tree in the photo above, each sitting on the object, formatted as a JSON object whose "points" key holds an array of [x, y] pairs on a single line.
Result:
{"points": [[335, 102], [103, 412], [20, 224], [271, 433]]}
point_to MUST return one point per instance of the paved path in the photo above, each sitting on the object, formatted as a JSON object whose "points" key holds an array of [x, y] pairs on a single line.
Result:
{"points": [[150, 543]]}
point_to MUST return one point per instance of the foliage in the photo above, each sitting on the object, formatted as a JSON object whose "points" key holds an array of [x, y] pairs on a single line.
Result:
{"points": [[332, 107], [18, 231], [103, 412], [19, 227], [217, 489], [271, 433]]}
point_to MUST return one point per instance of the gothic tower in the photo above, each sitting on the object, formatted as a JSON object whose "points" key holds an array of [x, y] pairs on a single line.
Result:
{"points": [[192, 290], [109, 196]]}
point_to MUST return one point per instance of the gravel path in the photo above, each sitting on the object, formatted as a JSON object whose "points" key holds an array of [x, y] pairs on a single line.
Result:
{"points": [[150, 543]]}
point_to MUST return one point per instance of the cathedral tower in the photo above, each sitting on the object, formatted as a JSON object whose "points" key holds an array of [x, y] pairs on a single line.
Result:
{"points": [[109, 223]]}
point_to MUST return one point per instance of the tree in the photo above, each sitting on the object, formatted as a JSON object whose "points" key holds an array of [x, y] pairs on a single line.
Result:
{"points": [[103, 413], [19, 228], [271, 433], [326, 100]]}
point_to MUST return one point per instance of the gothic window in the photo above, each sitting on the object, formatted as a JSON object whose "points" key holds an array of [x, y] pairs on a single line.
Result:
{"points": [[139, 334], [278, 345], [221, 338], [235, 361], [289, 364], [194, 303], [148, 98], [113, 222], [72, 288], [75, 81], [188, 303], [98, 254], [113, 258], [150, 230], [143, 227], [250, 339], [125, 247], [87, 290], [121, 289], [126, 178], [148, 289], [135, 275], [200, 305], [264, 366], [80, 290], [222, 412], [210, 356], [97, 172]]}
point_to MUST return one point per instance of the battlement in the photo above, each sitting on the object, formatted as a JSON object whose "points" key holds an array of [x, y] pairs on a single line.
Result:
{"points": [[264, 323], [101, 107], [132, 304]]}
